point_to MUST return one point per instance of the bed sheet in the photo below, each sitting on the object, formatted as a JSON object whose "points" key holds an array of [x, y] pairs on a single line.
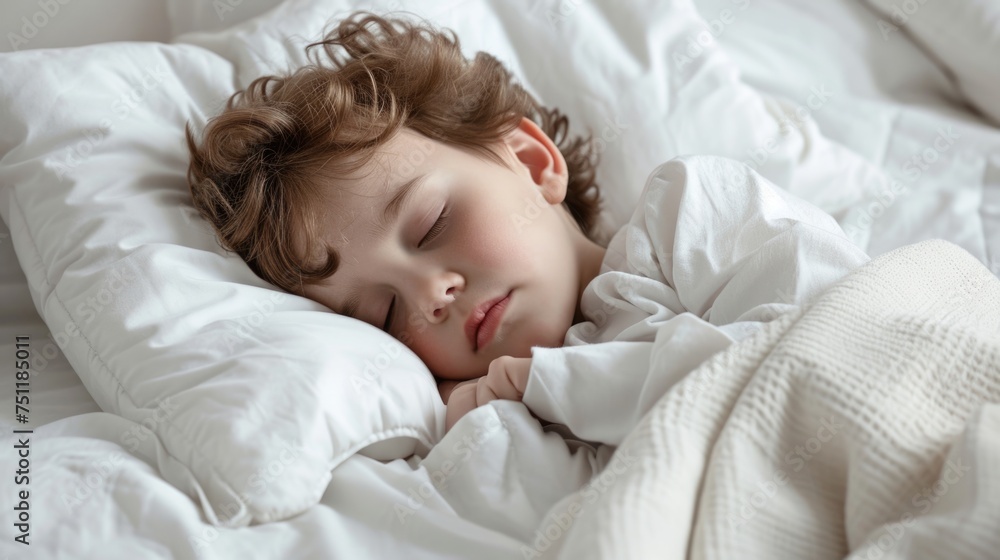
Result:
{"points": [[886, 98], [87, 461]]}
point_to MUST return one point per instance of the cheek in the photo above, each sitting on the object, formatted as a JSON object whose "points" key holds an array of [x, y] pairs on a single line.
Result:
{"points": [[432, 347], [500, 247], [442, 357]]}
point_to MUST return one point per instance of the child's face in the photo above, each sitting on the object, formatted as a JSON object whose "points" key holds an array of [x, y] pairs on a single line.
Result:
{"points": [[505, 233]]}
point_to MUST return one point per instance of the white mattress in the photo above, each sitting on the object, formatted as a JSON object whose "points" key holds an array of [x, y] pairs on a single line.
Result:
{"points": [[888, 104]]}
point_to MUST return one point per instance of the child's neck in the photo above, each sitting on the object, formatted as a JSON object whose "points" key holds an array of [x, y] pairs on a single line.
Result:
{"points": [[590, 255]]}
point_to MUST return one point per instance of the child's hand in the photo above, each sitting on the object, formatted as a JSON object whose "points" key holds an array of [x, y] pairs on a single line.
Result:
{"points": [[506, 379], [460, 401]]}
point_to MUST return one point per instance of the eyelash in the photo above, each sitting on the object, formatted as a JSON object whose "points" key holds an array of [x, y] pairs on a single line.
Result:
{"points": [[434, 232], [436, 228], [388, 315]]}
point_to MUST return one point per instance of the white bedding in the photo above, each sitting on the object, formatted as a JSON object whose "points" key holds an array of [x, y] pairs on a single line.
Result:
{"points": [[865, 425], [486, 489], [713, 252]]}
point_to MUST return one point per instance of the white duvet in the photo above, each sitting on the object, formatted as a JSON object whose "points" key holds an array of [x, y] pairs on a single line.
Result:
{"points": [[865, 425], [713, 252], [863, 422], [696, 448]]}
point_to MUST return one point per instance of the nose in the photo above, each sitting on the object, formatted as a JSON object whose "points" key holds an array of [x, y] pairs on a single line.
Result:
{"points": [[436, 293]]}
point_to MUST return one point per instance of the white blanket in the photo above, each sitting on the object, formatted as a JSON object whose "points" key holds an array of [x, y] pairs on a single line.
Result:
{"points": [[865, 424]]}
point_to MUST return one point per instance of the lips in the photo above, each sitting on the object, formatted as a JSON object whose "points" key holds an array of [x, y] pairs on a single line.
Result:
{"points": [[484, 320]]}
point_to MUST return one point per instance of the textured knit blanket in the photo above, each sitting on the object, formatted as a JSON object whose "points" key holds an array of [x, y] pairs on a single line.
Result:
{"points": [[866, 425]]}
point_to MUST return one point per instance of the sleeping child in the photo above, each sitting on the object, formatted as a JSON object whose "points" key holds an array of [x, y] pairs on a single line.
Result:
{"points": [[432, 197]]}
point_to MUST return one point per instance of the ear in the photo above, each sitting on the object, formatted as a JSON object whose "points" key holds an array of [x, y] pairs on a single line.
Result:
{"points": [[542, 160]]}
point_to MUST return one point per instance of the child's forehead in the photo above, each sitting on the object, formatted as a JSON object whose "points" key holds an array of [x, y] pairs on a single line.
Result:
{"points": [[405, 157], [406, 154]]}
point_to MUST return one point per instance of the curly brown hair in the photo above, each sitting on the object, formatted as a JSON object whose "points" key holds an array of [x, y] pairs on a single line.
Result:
{"points": [[253, 178]]}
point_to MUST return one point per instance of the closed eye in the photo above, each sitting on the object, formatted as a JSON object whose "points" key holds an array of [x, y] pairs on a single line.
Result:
{"points": [[388, 316], [436, 229]]}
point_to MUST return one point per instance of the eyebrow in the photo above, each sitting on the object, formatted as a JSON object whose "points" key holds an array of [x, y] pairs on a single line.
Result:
{"points": [[392, 209], [389, 215]]}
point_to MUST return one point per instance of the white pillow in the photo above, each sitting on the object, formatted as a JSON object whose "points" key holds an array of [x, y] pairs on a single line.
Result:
{"points": [[256, 393], [259, 393]]}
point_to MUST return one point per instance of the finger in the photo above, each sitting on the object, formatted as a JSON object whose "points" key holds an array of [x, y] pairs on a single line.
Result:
{"points": [[484, 393], [503, 386], [518, 373], [445, 388], [462, 401], [501, 378], [452, 415]]}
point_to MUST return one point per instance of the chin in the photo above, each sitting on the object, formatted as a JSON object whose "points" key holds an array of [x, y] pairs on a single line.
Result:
{"points": [[460, 376], [552, 339]]}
